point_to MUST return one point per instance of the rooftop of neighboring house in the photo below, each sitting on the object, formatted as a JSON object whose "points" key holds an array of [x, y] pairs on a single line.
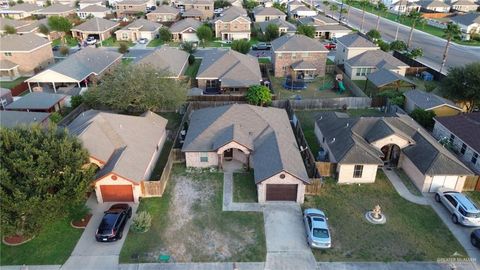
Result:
{"points": [[142, 25], [302, 8], [197, 2], [25, 7], [36, 101], [265, 131], [317, 20], [171, 60], [132, 2], [193, 12], [55, 9], [355, 41], [184, 24], [280, 23], [467, 19], [384, 77], [166, 9], [433, 4], [33, 26], [428, 101], [14, 23], [297, 43], [375, 58], [267, 11], [7, 65], [350, 139], [92, 2], [234, 69], [125, 143], [464, 3], [11, 119], [233, 13], [96, 25], [295, 3], [466, 127], [94, 8], [22, 43]]}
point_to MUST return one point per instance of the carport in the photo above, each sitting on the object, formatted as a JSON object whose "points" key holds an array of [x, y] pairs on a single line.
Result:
{"points": [[385, 79]]}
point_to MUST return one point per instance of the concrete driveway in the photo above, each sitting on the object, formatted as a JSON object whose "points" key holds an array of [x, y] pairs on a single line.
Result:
{"points": [[286, 240], [90, 254]]}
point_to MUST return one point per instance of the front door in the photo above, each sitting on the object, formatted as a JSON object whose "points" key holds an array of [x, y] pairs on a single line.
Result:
{"points": [[228, 154]]}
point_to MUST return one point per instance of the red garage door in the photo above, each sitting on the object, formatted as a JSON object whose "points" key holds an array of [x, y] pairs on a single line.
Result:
{"points": [[117, 193], [281, 192]]}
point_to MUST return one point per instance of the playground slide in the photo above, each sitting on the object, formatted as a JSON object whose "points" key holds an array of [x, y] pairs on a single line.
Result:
{"points": [[341, 86]]}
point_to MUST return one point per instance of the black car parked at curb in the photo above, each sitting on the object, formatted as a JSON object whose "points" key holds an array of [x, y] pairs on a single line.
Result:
{"points": [[475, 238], [113, 223]]}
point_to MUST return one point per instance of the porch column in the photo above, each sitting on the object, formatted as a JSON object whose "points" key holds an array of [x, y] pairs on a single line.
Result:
{"points": [[29, 87], [78, 84], [248, 162], [220, 161], [54, 88]]}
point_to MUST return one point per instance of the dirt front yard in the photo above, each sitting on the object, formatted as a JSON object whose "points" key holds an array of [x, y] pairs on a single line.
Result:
{"points": [[191, 226]]}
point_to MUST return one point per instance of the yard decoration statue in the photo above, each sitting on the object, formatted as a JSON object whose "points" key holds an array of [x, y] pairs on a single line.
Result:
{"points": [[375, 216], [377, 212]]}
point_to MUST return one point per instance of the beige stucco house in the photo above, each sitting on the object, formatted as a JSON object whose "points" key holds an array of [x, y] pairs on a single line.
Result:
{"points": [[97, 11], [350, 46], [124, 147], [130, 7], [260, 138], [164, 13], [138, 29], [233, 25], [20, 11], [325, 27], [100, 28], [359, 146], [204, 7], [464, 5], [185, 30], [469, 24], [262, 14]]}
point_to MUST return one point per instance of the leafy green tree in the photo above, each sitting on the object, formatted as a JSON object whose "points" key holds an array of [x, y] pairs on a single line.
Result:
{"points": [[64, 50], [384, 46], [424, 118], [48, 3], [188, 47], [55, 117], [134, 89], [20, 2], [462, 84], [60, 24], [451, 32], [398, 45], [306, 30], [258, 95], [374, 35], [282, 7], [42, 177], [416, 18], [241, 46], [204, 33], [381, 10], [165, 34], [250, 4], [42, 28], [11, 3], [271, 32], [221, 4], [417, 52], [122, 47], [10, 30], [76, 100]]}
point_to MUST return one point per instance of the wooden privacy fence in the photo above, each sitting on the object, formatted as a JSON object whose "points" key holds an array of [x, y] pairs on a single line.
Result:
{"points": [[472, 183], [326, 103], [350, 85], [19, 89], [325, 168], [314, 187]]}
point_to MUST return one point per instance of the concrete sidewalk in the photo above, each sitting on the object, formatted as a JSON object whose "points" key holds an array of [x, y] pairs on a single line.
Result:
{"points": [[393, 266], [402, 190], [229, 205]]}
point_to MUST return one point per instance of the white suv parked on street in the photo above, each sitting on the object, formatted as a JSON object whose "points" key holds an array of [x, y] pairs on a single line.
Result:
{"points": [[463, 210]]}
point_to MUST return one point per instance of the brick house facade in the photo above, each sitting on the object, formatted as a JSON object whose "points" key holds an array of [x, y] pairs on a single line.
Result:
{"points": [[282, 62], [236, 29]]}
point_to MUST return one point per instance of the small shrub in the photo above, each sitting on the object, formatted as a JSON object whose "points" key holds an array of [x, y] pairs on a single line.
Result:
{"points": [[430, 86], [55, 117], [424, 118], [64, 50], [142, 222], [75, 101], [123, 47], [191, 59]]}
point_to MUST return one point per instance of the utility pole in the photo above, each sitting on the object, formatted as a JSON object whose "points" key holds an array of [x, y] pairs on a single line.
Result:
{"points": [[340, 15]]}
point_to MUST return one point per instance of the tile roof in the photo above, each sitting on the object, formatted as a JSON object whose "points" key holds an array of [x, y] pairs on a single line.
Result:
{"points": [[384, 77], [428, 101], [171, 60], [184, 24], [55, 8], [36, 100], [375, 58], [467, 19], [267, 11], [96, 25], [142, 25], [233, 68], [280, 23], [126, 143], [10, 119], [464, 126], [22, 43], [297, 43], [266, 130], [355, 41]]}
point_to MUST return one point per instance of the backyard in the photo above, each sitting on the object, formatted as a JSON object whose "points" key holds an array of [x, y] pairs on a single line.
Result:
{"points": [[189, 225], [412, 232], [320, 87], [193, 69], [12, 84], [370, 90]]}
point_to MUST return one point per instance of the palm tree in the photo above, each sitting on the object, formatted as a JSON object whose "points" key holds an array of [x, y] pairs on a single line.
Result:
{"points": [[364, 4], [325, 6], [381, 9], [343, 11], [451, 32], [415, 17]]}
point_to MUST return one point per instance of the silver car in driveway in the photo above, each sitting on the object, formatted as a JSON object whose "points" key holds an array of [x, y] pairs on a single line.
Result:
{"points": [[463, 210], [318, 234]]}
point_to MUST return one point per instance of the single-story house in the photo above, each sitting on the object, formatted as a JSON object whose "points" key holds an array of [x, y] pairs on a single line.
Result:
{"points": [[465, 6], [358, 67], [28, 26], [462, 131], [359, 145], [233, 24], [416, 99], [84, 66], [469, 23], [352, 45], [17, 24], [292, 5], [185, 30], [171, 60], [284, 27], [261, 138], [404, 7], [5, 97], [164, 13], [124, 147], [228, 72], [325, 27], [56, 10], [38, 102], [262, 14], [303, 11], [97, 11], [11, 119], [138, 29], [434, 5], [20, 11], [99, 28]]}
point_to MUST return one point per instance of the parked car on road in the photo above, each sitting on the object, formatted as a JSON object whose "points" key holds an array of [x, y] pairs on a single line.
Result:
{"points": [[91, 40], [318, 234], [113, 223], [261, 46], [56, 48], [330, 46], [143, 41], [475, 238], [463, 210]]}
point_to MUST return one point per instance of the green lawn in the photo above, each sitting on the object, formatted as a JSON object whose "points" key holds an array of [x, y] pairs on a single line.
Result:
{"points": [[162, 161], [412, 232], [193, 69], [194, 228], [318, 88], [244, 188], [113, 42], [71, 41], [53, 245], [158, 42], [264, 60], [408, 182], [12, 84]]}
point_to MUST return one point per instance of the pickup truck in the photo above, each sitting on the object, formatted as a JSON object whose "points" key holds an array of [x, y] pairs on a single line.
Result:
{"points": [[262, 46]]}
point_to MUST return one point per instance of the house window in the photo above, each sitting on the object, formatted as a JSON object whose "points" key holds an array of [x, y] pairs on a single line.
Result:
{"points": [[279, 56], [211, 83], [284, 68], [294, 55], [204, 157], [207, 8], [124, 35], [358, 171], [452, 138], [362, 71], [8, 54], [474, 158], [305, 54], [463, 149]]}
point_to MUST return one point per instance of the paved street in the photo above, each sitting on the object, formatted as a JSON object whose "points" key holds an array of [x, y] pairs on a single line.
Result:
{"points": [[432, 46]]}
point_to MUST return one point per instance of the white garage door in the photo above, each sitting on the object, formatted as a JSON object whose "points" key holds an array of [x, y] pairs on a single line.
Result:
{"points": [[443, 181], [191, 37]]}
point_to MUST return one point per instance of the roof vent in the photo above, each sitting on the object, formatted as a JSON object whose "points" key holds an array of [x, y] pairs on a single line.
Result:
{"points": [[321, 117], [348, 124], [333, 140]]}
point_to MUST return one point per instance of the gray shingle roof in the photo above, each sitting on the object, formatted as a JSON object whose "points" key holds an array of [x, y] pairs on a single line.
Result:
{"points": [[26, 7], [193, 12], [166, 9], [467, 19], [36, 100], [384, 77], [464, 3], [317, 20], [355, 41], [94, 8], [132, 2], [274, 148], [126, 143], [22, 43], [465, 126], [143, 25], [432, 4], [7, 65], [10, 119], [233, 13], [297, 43], [14, 23], [428, 101], [375, 58], [280, 23], [267, 11], [302, 65], [301, 8], [33, 26], [184, 24], [171, 60], [55, 9], [96, 25], [233, 68]]}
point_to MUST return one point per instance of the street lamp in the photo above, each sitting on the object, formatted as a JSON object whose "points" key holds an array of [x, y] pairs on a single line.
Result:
{"points": [[340, 16]]}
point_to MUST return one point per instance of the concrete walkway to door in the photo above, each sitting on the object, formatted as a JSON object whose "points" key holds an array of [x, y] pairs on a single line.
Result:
{"points": [[402, 190]]}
